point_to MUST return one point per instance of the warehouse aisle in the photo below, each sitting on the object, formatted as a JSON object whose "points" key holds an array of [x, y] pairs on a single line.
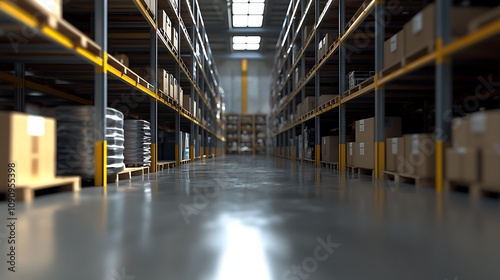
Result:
{"points": [[258, 218]]}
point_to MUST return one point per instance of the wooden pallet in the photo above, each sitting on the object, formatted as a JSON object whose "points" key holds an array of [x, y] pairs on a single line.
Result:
{"points": [[128, 173], [474, 189], [391, 176], [60, 25], [418, 181], [113, 62], [168, 164], [361, 171], [27, 193], [330, 165]]}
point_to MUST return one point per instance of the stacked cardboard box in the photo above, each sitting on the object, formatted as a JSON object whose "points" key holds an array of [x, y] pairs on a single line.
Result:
{"points": [[151, 6], [164, 81], [350, 153], [475, 153], [364, 148], [309, 104], [29, 142], [420, 31], [325, 98], [395, 154], [394, 49], [420, 155], [330, 149], [165, 25]]}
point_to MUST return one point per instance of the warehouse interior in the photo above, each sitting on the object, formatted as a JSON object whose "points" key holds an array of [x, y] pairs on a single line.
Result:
{"points": [[249, 139]]}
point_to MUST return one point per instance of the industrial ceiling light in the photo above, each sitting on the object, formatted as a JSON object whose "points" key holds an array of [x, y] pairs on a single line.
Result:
{"points": [[248, 13], [241, 43]]}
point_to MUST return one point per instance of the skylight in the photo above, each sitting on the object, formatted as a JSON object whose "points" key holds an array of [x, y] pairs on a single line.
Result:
{"points": [[248, 13], [250, 43]]}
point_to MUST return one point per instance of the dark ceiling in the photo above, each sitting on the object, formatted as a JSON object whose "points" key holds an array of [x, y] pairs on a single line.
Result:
{"points": [[215, 15]]}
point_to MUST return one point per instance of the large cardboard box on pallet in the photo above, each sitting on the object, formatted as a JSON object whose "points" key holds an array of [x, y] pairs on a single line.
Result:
{"points": [[330, 149], [325, 98], [163, 80], [28, 142], [175, 39], [309, 104], [420, 31], [365, 129], [364, 155], [350, 153], [462, 165], [299, 110], [483, 132], [186, 103], [490, 174], [394, 49], [171, 86], [165, 24], [394, 154], [420, 151]]}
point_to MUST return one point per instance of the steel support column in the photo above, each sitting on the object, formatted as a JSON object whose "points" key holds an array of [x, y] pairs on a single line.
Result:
{"points": [[317, 84], [101, 93], [303, 91], [342, 89], [193, 127], [154, 102], [443, 95], [20, 98], [178, 115], [379, 90]]}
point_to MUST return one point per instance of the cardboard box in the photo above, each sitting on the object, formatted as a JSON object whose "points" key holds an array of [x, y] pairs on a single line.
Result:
{"points": [[308, 104], [490, 173], [180, 95], [394, 154], [325, 98], [163, 80], [350, 153], [165, 24], [420, 150], [320, 49], [460, 133], [420, 31], [171, 87], [123, 59], [453, 166], [30, 143], [484, 132], [175, 40], [186, 103], [365, 129], [299, 110], [52, 6], [364, 155], [328, 41], [330, 148], [394, 49]]}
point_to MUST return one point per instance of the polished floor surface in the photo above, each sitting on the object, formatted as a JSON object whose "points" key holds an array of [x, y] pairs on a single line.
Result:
{"points": [[239, 218]]}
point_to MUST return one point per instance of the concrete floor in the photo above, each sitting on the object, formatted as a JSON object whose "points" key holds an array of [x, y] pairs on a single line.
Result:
{"points": [[239, 218]]}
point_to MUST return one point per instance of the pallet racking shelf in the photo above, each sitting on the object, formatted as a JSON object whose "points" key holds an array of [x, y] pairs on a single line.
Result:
{"points": [[57, 58], [245, 130], [300, 71]]}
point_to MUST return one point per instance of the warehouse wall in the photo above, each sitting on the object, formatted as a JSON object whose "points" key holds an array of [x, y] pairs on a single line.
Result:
{"points": [[259, 81]]}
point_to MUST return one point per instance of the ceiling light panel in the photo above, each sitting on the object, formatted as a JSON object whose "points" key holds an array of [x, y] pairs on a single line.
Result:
{"points": [[248, 13]]}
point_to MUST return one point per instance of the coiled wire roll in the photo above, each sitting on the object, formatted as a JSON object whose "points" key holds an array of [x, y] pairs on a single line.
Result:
{"points": [[137, 143], [76, 141]]}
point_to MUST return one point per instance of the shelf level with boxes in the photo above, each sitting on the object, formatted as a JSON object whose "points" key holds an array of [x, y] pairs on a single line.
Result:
{"points": [[123, 65], [400, 70], [246, 134]]}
